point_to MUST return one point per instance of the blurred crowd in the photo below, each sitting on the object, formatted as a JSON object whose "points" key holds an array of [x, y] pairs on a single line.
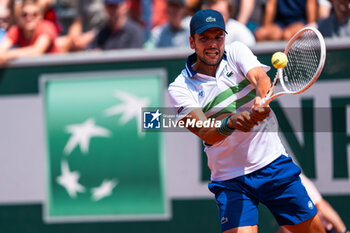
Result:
{"points": [[34, 27]]}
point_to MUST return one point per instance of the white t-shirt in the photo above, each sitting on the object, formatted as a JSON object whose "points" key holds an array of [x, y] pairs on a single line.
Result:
{"points": [[240, 153]]}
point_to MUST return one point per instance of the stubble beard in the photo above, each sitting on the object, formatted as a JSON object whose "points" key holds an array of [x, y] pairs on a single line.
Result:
{"points": [[204, 61]]}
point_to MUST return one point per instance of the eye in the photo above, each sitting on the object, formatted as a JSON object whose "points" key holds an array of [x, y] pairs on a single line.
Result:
{"points": [[203, 39], [219, 38]]}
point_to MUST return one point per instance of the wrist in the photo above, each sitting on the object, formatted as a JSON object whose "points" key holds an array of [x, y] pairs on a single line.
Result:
{"points": [[225, 129], [229, 123]]}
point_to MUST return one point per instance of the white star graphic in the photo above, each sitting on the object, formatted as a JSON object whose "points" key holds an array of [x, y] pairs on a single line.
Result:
{"points": [[81, 135], [130, 108], [104, 190], [156, 115], [69, 180]]}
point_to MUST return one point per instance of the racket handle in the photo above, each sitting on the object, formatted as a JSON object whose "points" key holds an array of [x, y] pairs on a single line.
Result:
{"points": [[263, 101]]}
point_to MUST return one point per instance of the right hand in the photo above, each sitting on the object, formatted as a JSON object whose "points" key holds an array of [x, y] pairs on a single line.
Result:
{"points": [[259, 113], [241, 121]]}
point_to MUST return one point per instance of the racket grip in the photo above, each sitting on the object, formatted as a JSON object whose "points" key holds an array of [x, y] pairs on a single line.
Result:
{"points": [[263, 101]]}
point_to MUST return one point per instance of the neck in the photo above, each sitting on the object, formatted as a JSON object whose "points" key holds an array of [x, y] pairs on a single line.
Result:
{"points": [[209, 70]]}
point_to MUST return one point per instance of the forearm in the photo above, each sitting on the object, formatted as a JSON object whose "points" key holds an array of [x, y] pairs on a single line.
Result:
{"points": [[209, 135], [270, 12], [260, 80], [262, 87], [41, 45], [311, 11], [21, 52], [217, 132], [76, 28], [245, 10]]}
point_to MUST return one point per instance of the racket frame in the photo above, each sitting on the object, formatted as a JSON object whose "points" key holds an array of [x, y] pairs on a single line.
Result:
{"points": [[279, 74]]}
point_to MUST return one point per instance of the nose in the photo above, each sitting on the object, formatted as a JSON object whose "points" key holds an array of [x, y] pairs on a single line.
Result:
{"points": [[211, 43]]}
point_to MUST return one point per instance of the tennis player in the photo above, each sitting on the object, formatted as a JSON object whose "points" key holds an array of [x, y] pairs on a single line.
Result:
{"points": [[248, 162]]}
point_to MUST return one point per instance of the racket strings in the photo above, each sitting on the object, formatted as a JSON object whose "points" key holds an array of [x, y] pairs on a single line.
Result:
{"points": [[303, 59]]}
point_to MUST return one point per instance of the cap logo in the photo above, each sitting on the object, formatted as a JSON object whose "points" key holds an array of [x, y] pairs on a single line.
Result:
{"points": [[210, 19]]}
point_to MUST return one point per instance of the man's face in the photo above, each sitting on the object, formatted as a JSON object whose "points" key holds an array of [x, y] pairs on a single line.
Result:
{"points": [[30, 17], [116, 11], [209, 46]]}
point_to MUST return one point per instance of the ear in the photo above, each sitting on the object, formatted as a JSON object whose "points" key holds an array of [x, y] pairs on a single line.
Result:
{"points": [[192, 43]]}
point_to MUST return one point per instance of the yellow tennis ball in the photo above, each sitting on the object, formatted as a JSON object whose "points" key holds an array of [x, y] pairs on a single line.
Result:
{"points": [[279, 60]]}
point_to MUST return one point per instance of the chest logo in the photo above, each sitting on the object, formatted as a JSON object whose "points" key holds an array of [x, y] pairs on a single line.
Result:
{"points": [[201, 93], [229, 74]]}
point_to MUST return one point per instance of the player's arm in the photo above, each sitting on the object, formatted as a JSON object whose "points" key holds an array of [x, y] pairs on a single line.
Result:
{"points": [[260, 80], [211, 135], [262, 84]]}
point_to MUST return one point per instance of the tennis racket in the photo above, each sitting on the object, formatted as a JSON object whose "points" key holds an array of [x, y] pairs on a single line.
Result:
{"points": [[306, 53]]}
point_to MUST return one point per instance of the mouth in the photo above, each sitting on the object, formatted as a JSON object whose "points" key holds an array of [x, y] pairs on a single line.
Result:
{"points": [[211, 53]]}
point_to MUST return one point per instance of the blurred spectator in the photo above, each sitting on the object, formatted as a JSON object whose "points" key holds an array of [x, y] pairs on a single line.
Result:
{"points": [[120, 31], [66, 12], [324, 9], [31, 34], [91, 17], [338, 23], [193, 6], [236, 31], [5, 18], [173, 33], [283, 18], [48, 9], [246, 8], [158, 12], [48, 6], [248, 12]]}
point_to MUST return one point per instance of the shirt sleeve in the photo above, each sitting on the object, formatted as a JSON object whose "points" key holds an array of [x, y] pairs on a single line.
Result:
{"points": [[12, 34], [47, 28], [241, 55], [182, 100]]}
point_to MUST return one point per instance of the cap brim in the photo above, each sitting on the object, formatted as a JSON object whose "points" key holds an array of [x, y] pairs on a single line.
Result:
{"points": [[206, 27]]}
